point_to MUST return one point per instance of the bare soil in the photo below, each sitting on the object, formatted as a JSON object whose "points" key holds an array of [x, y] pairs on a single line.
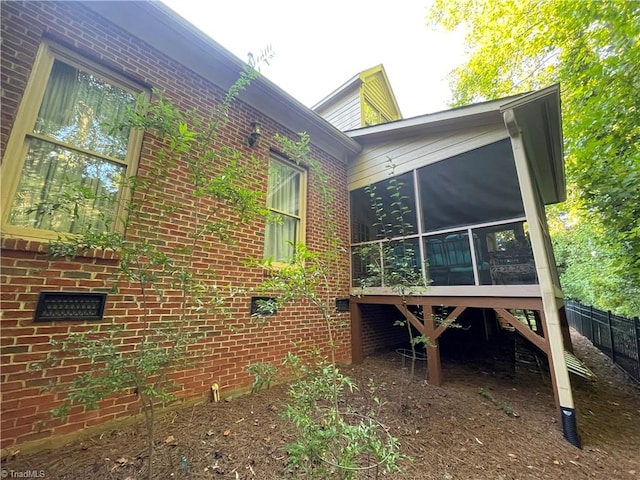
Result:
{"points": [[492, 419]]}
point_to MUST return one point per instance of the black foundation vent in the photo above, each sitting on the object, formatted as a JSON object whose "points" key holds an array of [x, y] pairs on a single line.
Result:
{"points": [[342, 304], [70, 306], [263, 306]]}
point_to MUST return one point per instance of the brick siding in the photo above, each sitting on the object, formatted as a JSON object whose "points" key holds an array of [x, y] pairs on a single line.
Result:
{"points": [[27, 270], [378, 330]]}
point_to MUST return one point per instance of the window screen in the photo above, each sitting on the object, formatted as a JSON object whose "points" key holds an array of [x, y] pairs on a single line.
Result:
{"points": [[385, 209], [475, 187]]}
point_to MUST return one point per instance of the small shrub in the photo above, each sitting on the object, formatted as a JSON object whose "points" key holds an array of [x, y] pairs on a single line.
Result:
{"points": [[263, 375], [334, 441]]}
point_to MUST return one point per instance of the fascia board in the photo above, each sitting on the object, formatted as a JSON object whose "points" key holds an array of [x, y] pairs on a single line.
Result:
{"points": [[529, 97], [342, 90], [487, 112], [542, 108]]}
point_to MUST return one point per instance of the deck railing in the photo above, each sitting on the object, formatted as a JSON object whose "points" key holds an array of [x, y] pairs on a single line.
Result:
{"points": [[617, 337], [490, 254]]}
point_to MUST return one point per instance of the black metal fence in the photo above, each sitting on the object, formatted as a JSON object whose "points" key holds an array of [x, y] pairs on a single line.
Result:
{"points": [[617, 337]]}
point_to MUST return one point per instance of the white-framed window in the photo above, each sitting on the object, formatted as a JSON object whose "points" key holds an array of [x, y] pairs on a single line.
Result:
{"points": [[64, 167], [286, 193]]}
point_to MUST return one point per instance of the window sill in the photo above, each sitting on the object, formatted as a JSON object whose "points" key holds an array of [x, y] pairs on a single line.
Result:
{"points": [[42, 247]]}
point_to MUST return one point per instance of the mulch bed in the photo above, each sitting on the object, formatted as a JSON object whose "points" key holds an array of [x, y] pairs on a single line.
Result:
{"points": [[488, 421]]}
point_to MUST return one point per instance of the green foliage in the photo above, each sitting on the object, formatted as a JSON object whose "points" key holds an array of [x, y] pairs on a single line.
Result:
{"points": [[587, 266], [329, 443], [504, 406], [224, 194], [592, 48], [263, 375], [334, 443]]}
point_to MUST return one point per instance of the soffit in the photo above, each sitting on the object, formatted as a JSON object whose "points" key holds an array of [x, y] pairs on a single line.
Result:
{"points": [[539, 117]]}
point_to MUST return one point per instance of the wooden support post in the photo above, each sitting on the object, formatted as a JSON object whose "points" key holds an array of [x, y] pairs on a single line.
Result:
{"points": [[564, 326], [525, 331], [549, 286], [434, 368], [357, 351], [554, 381]]}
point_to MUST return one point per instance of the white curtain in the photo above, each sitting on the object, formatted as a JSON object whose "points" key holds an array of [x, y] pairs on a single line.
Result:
{"points": [[60, 188], [283, 198]]}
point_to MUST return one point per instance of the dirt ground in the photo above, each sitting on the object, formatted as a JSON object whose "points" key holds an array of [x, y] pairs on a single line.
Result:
{"points": [[492, 419]]}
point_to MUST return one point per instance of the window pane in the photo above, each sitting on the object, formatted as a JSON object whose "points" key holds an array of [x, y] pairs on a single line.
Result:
{"points": [[280, 239], [283, 193], [392, 264], [366, 266], [80, 109], [508, 249], [283, 199], [386, 209], [64, 190], [437, 262], [402, 263], [449, 259], [475, 187]]}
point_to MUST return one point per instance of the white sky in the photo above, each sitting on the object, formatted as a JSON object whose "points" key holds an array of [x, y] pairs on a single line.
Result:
{"points": [[319, 45]]}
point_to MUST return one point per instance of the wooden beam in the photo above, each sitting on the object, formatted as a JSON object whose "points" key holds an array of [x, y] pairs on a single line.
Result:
{"points": [[529, 334], [357, 350], [415, 321], [434, 367], [450, 318], [529, 303]]}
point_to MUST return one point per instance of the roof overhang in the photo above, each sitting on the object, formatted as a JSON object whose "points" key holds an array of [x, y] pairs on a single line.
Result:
{"points": [[163, 29], [539, 118], [459, 118], [343, 90]]}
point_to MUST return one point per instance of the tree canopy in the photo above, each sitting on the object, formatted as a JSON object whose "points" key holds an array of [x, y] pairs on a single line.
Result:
{"points": [[592, 48]]}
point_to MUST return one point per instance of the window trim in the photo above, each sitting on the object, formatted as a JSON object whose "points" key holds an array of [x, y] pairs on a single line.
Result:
{"points": [[26, 115], [302, 231]]}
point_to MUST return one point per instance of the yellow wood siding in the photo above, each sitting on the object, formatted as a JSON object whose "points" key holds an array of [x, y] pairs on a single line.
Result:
{"points": [[367, 99], [375, 92]]}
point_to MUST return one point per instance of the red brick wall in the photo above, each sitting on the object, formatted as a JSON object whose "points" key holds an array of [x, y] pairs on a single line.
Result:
{"points": [[378, 329], [27, 270]]}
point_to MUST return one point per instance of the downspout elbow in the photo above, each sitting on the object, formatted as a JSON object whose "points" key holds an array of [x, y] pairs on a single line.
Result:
{"points": [[511, 123]]}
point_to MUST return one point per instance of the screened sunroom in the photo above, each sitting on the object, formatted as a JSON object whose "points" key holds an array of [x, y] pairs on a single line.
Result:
{"points": [[459, 221], [447, 218]]}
